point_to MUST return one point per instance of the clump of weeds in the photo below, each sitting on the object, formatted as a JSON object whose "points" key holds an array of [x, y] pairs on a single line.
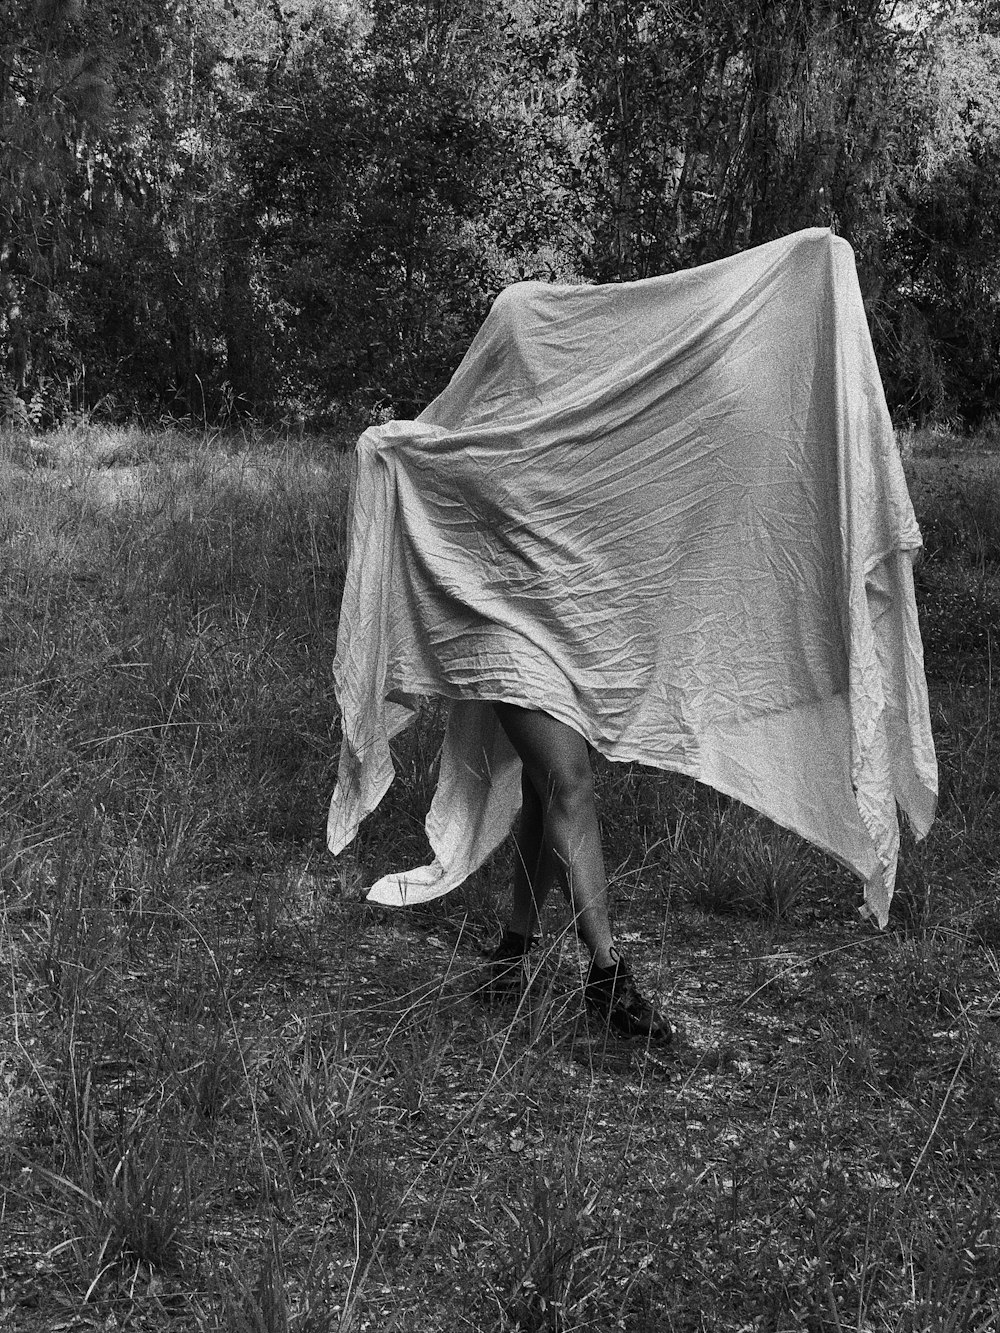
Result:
{"points": [[741, 864]]}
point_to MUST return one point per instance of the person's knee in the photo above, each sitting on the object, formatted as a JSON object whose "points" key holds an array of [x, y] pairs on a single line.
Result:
{"points": [[571, 789]]}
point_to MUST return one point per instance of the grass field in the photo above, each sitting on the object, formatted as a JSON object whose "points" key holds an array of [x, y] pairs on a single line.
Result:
{"points": [[234, 1097]]}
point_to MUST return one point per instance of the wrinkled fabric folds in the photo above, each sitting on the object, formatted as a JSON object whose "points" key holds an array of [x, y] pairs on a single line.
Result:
{"points": [[670, 513]]}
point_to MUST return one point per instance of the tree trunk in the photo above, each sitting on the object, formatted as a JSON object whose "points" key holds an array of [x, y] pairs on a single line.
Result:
{"points": [[239, 327]]}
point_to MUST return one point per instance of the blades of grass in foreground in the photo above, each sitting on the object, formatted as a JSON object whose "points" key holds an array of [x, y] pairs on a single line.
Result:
{"points": [[250, 1100]]}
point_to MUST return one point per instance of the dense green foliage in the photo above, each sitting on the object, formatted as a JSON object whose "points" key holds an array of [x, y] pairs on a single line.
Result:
{"points": [[292, 209]]}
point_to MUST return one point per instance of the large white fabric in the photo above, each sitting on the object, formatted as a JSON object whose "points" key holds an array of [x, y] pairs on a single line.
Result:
{"points": [[670, 513]]}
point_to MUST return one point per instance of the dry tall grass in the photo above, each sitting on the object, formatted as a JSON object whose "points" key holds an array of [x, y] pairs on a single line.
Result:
{"points": [[233, 1097]]}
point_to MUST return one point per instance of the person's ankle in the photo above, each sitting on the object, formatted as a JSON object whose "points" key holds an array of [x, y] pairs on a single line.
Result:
{"points": [[606, 959]]}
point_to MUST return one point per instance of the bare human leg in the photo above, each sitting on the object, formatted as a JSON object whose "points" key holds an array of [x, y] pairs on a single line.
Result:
{"points": [[557, 766], [534, 873], [558, 840]]}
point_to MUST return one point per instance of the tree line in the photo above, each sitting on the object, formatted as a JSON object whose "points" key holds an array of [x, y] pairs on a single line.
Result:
{"points": [[292, 209]]}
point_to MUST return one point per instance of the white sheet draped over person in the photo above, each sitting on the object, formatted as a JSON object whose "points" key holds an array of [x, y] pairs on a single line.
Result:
{"points": [[672, 515]]}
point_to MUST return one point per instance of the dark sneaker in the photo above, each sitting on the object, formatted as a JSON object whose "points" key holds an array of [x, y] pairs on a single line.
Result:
{"points": [[612, 994], [508, 970]]}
